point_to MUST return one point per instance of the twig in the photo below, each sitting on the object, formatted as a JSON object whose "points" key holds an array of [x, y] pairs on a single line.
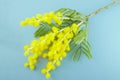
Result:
{"points": [[103, 8]]}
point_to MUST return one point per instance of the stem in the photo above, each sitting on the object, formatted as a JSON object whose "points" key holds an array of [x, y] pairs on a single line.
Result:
{"points": [[103, 8]]}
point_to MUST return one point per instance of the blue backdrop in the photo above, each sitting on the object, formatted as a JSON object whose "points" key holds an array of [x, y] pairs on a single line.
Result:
{"points": [[104, 36]]}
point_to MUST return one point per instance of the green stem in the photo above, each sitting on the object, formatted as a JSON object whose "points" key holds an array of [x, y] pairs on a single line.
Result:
{"points": [[103, 8]]}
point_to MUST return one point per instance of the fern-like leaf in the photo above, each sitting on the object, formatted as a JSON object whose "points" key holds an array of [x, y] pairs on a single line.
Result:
{"points": [[42, 30]]}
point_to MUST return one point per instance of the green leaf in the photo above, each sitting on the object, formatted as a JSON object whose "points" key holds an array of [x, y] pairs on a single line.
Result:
{"points": [[80, 53], [79, 18], [76, 17], [78, 49], [77, 54], [86, 51], [68, 13], [80, 36], [42, 30], [66, 23], [74, 14], [86, 44], [61, 10]]}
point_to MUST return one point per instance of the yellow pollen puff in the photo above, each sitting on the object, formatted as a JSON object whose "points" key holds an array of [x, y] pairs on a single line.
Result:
{"points": [[35, 56], [26, 47], [58, 63], [53, 67], [30, 58], [48, 75], [51, 14], [32, 67], [55, 29], [49, 63], [64, 54], [56, 19], [59, 14], [67, 29], [50, 53], [34, 42], [56, 56], [74, 27], [32, 50], [33, 19], [26, 64], [51, 58], [27, 20], [39, 53], [47, 42], [23, 23], [68, 48], [66, 41], [59, 22], [61, 58], [49, 21], [31, 22], [26, 53], [49, 67], [36, 24], [33, 61], [38, 16], [52, 38], [47, 17], [60, 35], [70, 35], [45, 55], [43, 71]]}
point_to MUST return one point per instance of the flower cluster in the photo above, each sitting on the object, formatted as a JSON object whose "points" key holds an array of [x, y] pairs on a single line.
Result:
{"points": [[47, 18], [53, 46]]}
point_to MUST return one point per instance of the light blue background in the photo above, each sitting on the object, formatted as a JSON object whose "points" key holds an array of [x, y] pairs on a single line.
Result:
{"points": [[104, 36]]}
